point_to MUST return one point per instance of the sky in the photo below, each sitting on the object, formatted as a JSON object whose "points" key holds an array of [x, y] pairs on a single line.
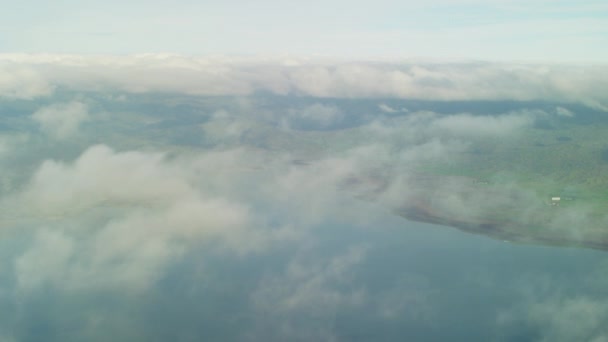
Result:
{"points": [[536, 30]]}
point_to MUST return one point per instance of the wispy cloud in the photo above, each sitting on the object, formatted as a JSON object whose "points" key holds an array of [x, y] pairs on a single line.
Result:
{"points": [[61, 120]]}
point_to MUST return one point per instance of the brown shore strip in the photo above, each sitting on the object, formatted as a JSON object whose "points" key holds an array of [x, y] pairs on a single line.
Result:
{"points": [[421, 212], [424, 188]]}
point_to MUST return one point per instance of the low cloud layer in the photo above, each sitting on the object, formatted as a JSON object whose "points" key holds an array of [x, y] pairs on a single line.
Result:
{"points": [[61, 120], [470, 126], [30, 76], [254, 217], [136, 212], [550, 311]]}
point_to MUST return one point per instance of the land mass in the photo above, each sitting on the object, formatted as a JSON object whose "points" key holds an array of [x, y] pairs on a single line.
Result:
{"points": [[498, 230], [508, 213]]}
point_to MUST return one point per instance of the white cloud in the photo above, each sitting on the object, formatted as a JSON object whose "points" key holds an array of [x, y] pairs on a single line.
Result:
{"points": [[23, 82], [571, 319], [466, 125], [101, 175], [304, 299], [561, 111], [61, 120], [388, 109], [116, 220], [134, 251], [315, 116], [311, 77], [311, 287], [44, 263], [9, 142], [559, 317]]}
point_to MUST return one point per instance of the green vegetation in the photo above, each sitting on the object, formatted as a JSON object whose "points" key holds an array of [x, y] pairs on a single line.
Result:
{"points": [[569, 161], [575, 169]]}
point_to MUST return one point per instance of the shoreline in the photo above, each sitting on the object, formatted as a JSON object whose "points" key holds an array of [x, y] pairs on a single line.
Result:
{"points": [[420, 212]]}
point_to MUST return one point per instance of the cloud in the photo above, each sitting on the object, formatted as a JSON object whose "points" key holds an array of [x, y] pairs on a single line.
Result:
{"points": [[9, 143], [315, 116], [22, 82], [309, 287], [101, 175], [548, 310], [127, 216], [490, 126], [388, 109], [303, 300], [570, 319], [410, 297], [117, 219], [45, 261], [132, 251], [309, 77], [61, 120], [120, 222], [561, 111], [376, 161]]}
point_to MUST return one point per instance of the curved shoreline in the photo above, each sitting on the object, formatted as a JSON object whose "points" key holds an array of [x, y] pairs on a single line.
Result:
{"points": [[420, 212]]}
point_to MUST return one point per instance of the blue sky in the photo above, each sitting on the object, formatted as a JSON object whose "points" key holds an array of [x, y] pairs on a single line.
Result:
{"points": [[494, 29]]}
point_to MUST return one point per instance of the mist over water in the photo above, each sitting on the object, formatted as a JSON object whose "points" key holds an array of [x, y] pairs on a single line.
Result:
{"points": [[392, 279]]}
